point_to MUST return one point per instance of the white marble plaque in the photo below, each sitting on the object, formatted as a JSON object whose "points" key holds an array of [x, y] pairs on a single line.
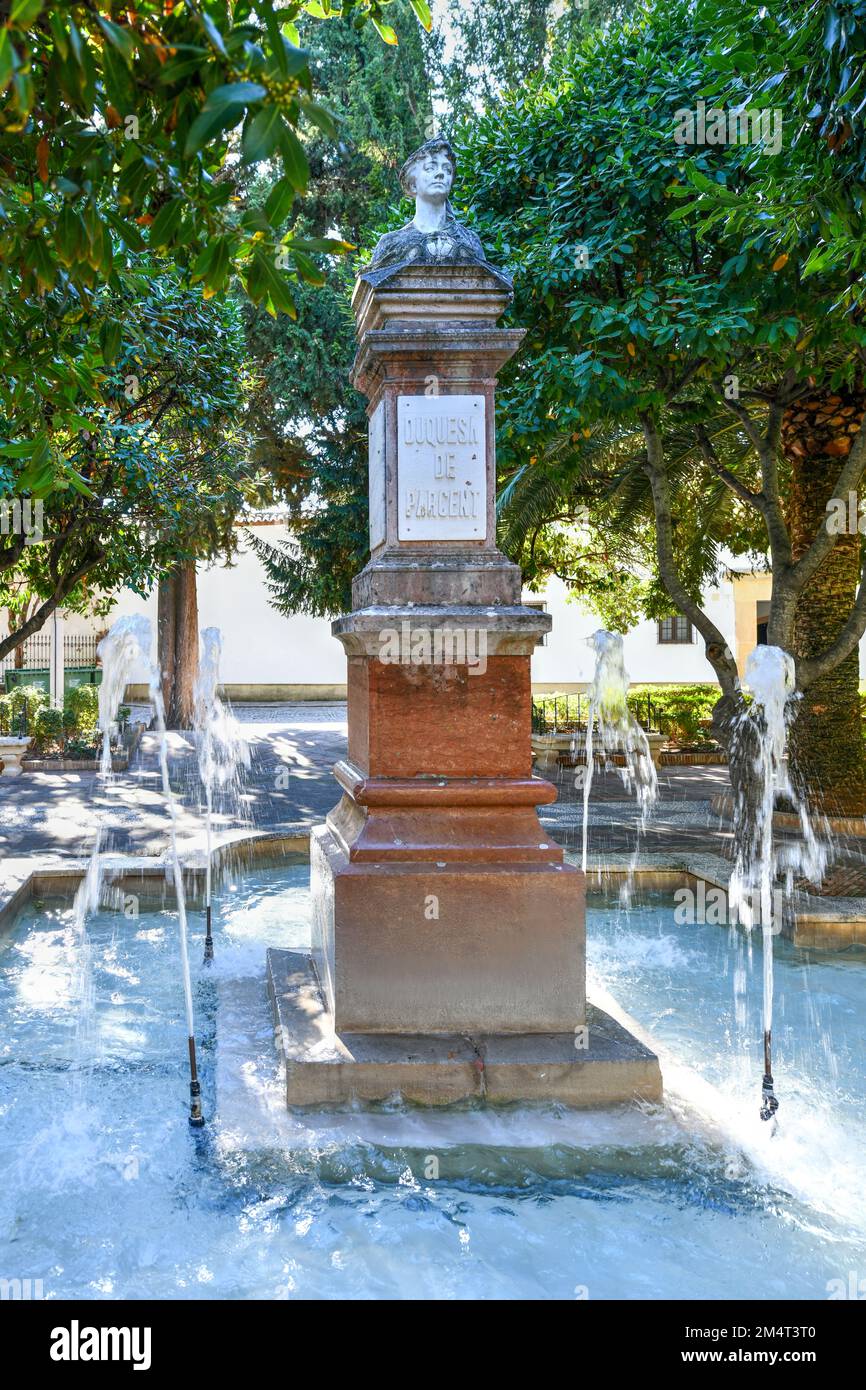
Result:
{"points": [[377, 476], [441, 468]]}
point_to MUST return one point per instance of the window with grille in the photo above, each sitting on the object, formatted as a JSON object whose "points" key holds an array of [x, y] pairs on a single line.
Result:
{"points": [[675, 629]]}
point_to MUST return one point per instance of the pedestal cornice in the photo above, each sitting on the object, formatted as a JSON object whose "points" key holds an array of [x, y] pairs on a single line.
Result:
{"points": [[509, 630]]}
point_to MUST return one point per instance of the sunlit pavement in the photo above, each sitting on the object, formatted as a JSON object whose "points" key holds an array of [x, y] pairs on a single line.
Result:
{"points": [[289, 786]]}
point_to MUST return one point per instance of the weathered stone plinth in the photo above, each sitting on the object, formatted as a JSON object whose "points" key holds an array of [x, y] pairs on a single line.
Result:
{"points": [[502, 954], [326, 1067]]}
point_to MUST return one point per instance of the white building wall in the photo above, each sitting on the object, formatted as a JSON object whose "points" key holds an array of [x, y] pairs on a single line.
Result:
{"points": [[566, 660], [260, 647], [277, 654]]}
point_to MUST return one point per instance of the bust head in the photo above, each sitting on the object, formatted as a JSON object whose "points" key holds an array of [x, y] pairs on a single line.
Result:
{"points": [[429, 172], [434, 236]]}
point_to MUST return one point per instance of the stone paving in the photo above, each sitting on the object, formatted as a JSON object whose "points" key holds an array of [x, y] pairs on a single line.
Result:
{"points": [[289, 787]]}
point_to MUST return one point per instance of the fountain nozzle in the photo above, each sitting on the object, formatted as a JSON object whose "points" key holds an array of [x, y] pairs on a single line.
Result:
{"points": [[769, 1102], [196, 1118], [208, 938]]}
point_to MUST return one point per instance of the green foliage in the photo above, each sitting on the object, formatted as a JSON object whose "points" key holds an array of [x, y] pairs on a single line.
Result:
{"points": [[116, 130], [73, 730], [83, 749], [809, 62], [497, 48], [48, 728], [682, 712], [311, 424], [29, 698], [160, 461], [20, 708], [127, 137], [648, 275], [82, 703]]}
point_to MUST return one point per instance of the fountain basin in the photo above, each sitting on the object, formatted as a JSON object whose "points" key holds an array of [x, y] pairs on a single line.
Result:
{"points": [[107, 1192], [12, 750]]}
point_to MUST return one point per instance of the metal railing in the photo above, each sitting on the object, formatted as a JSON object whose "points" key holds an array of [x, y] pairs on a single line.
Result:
{"points": [[78, 650], [567, 714]]}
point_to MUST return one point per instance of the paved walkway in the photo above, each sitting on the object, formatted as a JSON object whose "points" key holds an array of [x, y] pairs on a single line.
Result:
{"points": [[289, 787]]}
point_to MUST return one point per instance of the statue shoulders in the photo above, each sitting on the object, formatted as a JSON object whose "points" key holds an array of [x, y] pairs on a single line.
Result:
{"points": [[392, 245], [453, 244]]}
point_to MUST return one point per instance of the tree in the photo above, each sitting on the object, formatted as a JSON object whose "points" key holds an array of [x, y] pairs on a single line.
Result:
{"points": [[810, 61], [115, 178], [177, 643], [159, 467], [479, 51], [700, 345], [310, 422]]}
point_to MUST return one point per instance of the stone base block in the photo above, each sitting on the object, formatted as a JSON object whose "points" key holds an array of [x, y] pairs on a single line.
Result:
{"points": [[447, 947], [324, 1067]]}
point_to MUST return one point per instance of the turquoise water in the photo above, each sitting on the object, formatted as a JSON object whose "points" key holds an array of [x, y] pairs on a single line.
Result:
{"points": [[107, 1193]]}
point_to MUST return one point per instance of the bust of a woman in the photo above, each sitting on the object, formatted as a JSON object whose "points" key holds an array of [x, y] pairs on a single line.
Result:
{"points": [[434, 236]]}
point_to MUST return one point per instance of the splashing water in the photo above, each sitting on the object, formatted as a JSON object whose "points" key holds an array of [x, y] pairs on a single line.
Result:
{"points": [[763, 734], [118, 652], [222, 749], [618, 731], [127, 646]]}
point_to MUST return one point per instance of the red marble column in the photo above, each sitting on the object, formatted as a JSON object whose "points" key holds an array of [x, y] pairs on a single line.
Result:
{"points": [[440, 906]]}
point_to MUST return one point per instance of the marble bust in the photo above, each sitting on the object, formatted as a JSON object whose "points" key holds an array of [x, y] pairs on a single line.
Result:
{"points": [[434, 236]]}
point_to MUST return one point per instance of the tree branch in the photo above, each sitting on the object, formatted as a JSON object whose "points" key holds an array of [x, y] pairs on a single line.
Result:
{"points": [[39, 617], [717, 650]]}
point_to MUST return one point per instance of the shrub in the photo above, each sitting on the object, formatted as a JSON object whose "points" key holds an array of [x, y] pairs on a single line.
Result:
{"points": [[29, 697], [682, 712], [47, 728], [82, 748], [19, 708], [83, 702]]}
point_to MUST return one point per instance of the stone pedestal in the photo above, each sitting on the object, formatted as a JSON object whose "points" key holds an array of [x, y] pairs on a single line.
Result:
{"points": [[441, 910]]}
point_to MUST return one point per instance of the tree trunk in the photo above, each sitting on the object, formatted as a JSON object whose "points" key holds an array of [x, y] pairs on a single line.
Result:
{"points": [[177, 643], [15, 618], [826, 738], [740, 736]]}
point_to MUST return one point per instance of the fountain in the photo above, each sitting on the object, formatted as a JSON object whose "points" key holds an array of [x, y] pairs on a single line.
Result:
{"points": [[222, 750], [763, 733], [448, 955], [618, 731], [125, 647]]}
